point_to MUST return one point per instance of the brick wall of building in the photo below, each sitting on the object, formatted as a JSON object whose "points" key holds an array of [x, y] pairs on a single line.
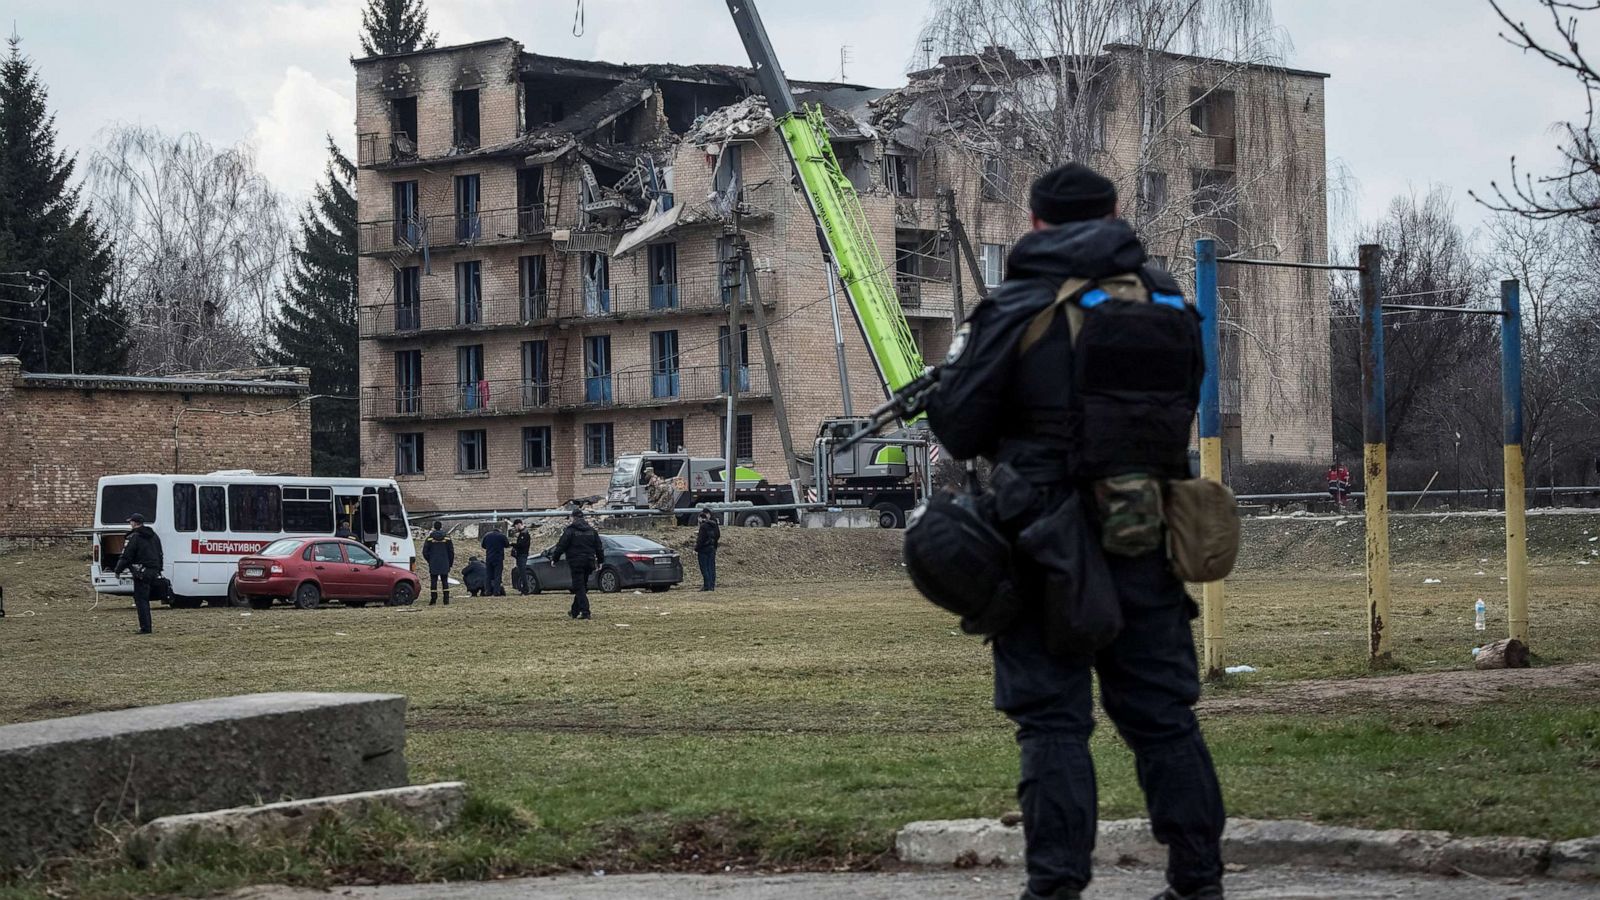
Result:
{"points": [[59, 435]]}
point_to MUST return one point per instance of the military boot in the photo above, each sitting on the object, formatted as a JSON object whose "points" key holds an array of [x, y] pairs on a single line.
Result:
{"points": [[433, 597], [446, 596], [1209, 892]]}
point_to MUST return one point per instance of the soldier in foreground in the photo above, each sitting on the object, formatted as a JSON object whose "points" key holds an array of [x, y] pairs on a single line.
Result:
{"points": [[1085, 414]]}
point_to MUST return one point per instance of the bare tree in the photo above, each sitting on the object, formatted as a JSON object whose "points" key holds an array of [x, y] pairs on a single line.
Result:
{"points": [[201, 242], [1573, 192]]}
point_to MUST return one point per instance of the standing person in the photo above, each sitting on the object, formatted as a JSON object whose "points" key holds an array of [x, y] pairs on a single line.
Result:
{"points": [[1064, 437], [1339, 483], [580, 544], [495, 544], [440, 553], [705, 547], [141, 556], [520, 544]]}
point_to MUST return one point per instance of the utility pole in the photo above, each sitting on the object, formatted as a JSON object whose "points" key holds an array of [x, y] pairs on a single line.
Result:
{"points": [[730, 475], [769, 359], [952, 223]]}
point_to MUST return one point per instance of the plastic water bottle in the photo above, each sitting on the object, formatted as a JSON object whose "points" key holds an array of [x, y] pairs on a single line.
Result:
{"points": [[1479, 609]]}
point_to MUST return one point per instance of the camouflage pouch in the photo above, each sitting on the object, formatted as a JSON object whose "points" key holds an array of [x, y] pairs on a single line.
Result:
{"points": [[1130, 512]]}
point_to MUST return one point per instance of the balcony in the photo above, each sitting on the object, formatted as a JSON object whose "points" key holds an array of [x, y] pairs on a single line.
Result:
{"points": [[448, 316], [632, 388], [909, 289], [440, 233], [375, 148], [687, 295]]}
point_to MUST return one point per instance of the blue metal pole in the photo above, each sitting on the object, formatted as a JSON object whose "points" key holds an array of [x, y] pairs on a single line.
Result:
{"points": [[1210, 431], [1515, 471]]}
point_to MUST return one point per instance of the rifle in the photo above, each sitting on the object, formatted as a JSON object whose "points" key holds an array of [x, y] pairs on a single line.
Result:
{"points": [[907, 403]]}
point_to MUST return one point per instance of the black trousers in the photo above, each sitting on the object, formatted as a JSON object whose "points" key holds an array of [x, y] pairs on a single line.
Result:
{"points": [[519, 574], [437, 580], [141, 601], [495, 587], [1149, 682], [580, 589], [708, 568]]}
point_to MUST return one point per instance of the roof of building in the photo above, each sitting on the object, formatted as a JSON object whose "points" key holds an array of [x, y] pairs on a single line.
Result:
{"points": [[389, 57]]}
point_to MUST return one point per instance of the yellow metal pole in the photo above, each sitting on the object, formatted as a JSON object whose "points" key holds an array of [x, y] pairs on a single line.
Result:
{"points": [[1516, 544], [1377, 488], [1212, 592]]}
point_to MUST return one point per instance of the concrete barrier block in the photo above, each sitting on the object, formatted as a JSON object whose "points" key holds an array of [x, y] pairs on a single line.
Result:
{"points": [[63, 780], [1255, 842], [1577, 860], [846, 518], [960, 841], [432, 807]]}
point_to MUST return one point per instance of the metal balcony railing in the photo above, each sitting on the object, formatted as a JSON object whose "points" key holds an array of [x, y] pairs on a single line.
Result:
{"points": [[697, 294], [376, 148], [391, 236], [634, 387], [446, 314], [652, 387], [909, 289], [446, 231]]}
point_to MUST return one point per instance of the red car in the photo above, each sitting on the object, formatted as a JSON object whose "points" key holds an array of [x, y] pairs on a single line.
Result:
{"points": [[308, 570]]}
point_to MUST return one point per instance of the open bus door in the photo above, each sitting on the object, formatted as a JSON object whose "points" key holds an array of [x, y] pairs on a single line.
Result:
{"points": [[366, 525]]}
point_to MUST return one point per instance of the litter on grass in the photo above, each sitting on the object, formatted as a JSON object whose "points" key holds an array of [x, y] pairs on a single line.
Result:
{"points": [[1432, 581], [1239, 670]]}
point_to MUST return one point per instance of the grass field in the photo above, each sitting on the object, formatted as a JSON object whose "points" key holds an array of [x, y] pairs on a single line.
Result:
{"points": [[783, 722]]}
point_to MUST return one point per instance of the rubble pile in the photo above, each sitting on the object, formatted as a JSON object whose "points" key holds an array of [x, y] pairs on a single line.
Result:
{"points": [[748, 116]]}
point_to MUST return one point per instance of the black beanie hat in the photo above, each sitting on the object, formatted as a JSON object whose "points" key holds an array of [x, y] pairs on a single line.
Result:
{"points": [[1073, 193]]}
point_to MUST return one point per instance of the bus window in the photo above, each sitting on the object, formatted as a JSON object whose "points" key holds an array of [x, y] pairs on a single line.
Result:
{"points": [[304, 513], [119, 501], [392, 513], [255, 508], [213, 508], [185, 510]]}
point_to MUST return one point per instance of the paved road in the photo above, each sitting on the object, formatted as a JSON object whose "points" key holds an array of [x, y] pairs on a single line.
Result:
{"points": [[1256, 884]]}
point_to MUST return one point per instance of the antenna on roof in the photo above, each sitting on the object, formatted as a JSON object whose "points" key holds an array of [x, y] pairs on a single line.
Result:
{"points": [[844, 60], [927, 51]]}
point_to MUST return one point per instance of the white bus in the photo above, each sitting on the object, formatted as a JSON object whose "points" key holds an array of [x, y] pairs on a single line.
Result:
{"points": [[208, 522]]}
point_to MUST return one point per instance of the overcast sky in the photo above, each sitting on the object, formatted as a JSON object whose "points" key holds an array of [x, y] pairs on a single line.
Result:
{"points": [[1422, 91]]}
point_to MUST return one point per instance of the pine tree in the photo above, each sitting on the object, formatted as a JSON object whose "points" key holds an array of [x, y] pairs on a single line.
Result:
{"points": [[316, 323], [395, 26], [45, 232]]}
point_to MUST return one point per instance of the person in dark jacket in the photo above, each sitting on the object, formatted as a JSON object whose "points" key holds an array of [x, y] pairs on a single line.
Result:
{"points": [[705, 547], [440, 553], [475, 577], [581, 546], [521, 541], [495, 544], [1015, 406], [141, 556]]}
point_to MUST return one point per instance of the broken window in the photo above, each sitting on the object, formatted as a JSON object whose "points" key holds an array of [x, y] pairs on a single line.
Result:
{"points": [[407, 214], [599, 445], [666, 435], [408, 454], [469, 227], [472, 451], [596, 284], [724, 351], [854, 165], [530, 200], [535, 373], [900, 174], [533, 276], [597, 368], [996, 178], [407, 298], [907, 267], [469, 293], [403, 126], [727, 181], [663, 276], [464, 107], [663, 364], [1211, 113], [472, 387], [536, 448], [991, 259], [408, 381], [1153, 192]]}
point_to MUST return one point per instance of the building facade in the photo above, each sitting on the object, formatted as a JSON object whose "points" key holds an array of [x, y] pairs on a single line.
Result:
{"points": [[549, 262], [60, 433]]}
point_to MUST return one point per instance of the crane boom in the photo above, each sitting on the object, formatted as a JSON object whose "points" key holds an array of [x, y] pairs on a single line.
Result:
{"points": [[842, 226]]}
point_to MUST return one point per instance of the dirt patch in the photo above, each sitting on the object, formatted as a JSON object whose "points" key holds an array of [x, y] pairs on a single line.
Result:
{"points": [[1423, 690]]}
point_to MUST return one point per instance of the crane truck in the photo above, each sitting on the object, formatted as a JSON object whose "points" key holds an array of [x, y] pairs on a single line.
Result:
{"points": [[887, 473]]}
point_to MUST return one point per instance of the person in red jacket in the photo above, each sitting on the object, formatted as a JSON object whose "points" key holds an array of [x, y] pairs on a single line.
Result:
{"points": [[1338, 483]]}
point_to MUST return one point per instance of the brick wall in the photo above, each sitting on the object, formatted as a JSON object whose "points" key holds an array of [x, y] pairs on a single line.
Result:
{"points": [[58, 437]]}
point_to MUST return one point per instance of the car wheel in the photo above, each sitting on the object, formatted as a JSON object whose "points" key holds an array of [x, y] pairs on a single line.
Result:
{"points": [[235, 598], [889, 515], [532, 582], [404, 594], [307, 596], [660, 588], [755, 519], [260, 602], [610, 581]]}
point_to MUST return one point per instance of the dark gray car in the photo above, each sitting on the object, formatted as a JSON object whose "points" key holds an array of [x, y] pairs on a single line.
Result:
{"points": [[630, 562]]}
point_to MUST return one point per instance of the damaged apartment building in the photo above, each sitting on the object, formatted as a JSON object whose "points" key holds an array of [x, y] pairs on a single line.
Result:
{"points": [[549, 251]]}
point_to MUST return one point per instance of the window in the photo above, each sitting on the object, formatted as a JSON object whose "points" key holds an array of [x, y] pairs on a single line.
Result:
{"points": [[723, 348], [533, 287], [407, 214], [996, 178], [185, 508], [536, 448], [360, 556], [1211, 113], [281, 549], [324, 553], [900, 174], [1159, 262], [469, 292], [472, 452], [255, 508], [213, 508], [597, 369], [408, 299], [744, 442], [663, 276], [464, 109], [1097, 130], [663, 364], [308, 510], [472, 389], [408, 454], [730, 170], [403, 124], [666, 435], [1153, 192], [468, 226], [991, 259], [391, 514], [530, 200], [408, 381], [535, 373], [598, 449], [596, 284], [119, 501]]}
